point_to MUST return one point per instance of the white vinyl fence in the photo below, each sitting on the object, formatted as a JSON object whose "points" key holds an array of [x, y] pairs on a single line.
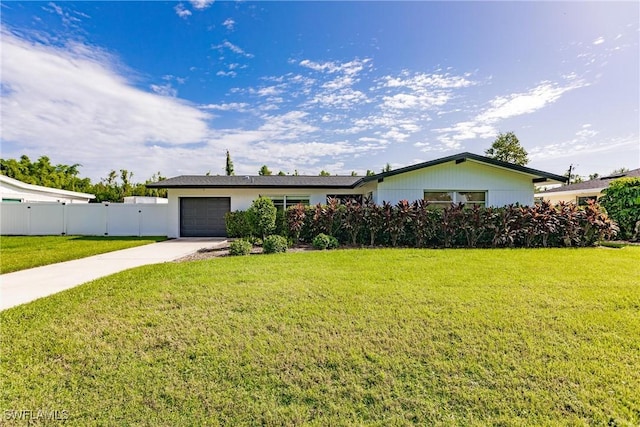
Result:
{"points": [[106, 219]]}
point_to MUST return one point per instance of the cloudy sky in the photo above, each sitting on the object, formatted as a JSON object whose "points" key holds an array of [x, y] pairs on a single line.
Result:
{"points": [[340, 86]]}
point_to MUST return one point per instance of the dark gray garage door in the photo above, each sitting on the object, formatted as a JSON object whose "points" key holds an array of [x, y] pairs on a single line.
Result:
{"points": [[203, 216]]}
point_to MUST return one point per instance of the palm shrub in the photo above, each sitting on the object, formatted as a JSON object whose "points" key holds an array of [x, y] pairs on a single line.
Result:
{"points": [[420, 227], [397, 219], [296, 216], [240, 247], [598, 224], [373, 219], [473, 223], [622, 202], [451, 218], [353, 219], [274, 244], [504, 223], [328, 218]]}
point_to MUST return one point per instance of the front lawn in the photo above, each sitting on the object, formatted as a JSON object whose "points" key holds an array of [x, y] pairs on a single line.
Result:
{"points": [[354, 337], [22, 252]]}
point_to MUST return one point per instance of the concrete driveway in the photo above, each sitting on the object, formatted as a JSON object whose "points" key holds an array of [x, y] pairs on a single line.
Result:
{"points": [[27, 285]]}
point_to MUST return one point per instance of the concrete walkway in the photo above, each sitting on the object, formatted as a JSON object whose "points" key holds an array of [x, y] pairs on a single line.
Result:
{"points": [[27, 285]]}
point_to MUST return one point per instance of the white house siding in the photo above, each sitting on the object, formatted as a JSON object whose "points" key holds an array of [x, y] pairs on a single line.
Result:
{"points": [[242, 198], [570, 196], [502, 186], [14, 190]]}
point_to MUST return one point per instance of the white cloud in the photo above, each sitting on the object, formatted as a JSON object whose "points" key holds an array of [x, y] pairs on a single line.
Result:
{"points": [[231, 106], [226, 73], [500, 108], [580, 145], [181, 11], [348, 68], [598, 41], [68, 18], [229, 24], [233, 48], [164, 90], [201, 4], [72, 102], [418, 82]]}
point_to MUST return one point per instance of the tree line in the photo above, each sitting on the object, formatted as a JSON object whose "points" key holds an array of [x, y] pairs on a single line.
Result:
{"points": [[113, 188]]}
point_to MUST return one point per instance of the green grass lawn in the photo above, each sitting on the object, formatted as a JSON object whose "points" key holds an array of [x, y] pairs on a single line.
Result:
{"points": [[22, 252], [353, 337]]}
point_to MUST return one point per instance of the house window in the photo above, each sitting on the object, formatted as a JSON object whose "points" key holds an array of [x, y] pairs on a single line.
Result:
{"points": [[442, 199], [344, 198], [284, 202], [582, 201]]}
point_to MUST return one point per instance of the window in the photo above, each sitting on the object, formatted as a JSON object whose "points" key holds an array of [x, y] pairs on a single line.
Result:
{"points": [[284, 202], [344, 198], [441, 199]]}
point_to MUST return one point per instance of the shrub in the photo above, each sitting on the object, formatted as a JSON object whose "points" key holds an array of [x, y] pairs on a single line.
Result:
{"points": [[323, 241], [238, 224], [240, 247], [274, 244], [263, 216], [622, 202]]}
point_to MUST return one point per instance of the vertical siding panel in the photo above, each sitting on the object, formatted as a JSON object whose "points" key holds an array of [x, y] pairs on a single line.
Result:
{"points": [[502, 186]]}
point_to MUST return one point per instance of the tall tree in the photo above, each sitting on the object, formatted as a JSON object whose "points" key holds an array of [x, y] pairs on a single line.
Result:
{"points": [[507, 148], [370, 172], [264, 171], [386, 168], [324, 173], [229, 167], [354, 173]]}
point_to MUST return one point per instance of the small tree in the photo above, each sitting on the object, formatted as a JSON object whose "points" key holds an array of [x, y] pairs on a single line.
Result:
{"points": [[324, 173], [622, 202], [263, 216], [229, 166], [507, 148], [264, 171]]}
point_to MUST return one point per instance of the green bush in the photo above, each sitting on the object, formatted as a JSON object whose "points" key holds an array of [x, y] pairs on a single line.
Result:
{"points": [[240, 247], [238, 224], [274, 244], [323, 241], [262, 214], [622, 202]]}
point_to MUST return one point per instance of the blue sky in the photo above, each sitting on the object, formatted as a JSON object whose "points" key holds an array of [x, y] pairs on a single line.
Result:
{"points": [[339, 86]]}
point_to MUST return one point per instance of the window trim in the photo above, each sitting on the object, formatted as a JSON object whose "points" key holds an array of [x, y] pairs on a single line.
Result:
{"points": [[456, 195], [284, 197]]}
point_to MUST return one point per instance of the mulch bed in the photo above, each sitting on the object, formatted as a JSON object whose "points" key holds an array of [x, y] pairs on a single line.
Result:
{"points": [[207, 253]]}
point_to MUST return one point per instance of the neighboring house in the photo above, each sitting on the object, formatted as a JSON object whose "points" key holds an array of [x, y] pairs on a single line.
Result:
{"points": [[14, 191], [146, 200], [582, 191], [198, 204]]}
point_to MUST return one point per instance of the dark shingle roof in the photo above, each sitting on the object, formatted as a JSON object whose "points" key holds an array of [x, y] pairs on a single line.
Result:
{"points": [[293, 181], [272, 181], [593, 184]]}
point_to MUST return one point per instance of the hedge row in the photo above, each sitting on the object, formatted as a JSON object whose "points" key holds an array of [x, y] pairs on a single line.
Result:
{"points": [[418, 224]]}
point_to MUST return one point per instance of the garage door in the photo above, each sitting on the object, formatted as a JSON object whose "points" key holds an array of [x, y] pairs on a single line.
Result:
{"points": [[203, 216]]}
